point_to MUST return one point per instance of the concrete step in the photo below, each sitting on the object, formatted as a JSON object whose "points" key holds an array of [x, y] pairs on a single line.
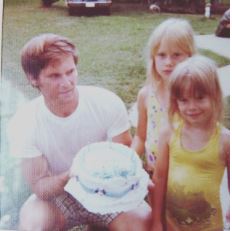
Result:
{"points": [[216, 44]]}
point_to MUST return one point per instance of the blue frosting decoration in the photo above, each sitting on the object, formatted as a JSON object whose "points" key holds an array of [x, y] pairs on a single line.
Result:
{"points": [[105, 193]]}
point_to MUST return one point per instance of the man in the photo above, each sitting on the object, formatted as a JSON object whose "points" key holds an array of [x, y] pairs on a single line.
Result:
{"points": [[49, 131]]}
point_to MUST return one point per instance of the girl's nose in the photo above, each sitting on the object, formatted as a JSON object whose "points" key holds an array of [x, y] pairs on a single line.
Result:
{"points": [[192, 104], [169, 60]]}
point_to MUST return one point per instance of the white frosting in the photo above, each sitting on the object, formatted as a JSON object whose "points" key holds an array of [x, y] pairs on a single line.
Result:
{"points": [[108, 168], [107, 163]]}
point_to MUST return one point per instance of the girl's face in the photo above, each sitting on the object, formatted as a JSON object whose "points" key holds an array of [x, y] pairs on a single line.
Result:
{"points": [[167, 58], [195, 110]]}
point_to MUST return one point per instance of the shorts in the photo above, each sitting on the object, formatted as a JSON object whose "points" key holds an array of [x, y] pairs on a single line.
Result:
{"points": [[75, 214]]}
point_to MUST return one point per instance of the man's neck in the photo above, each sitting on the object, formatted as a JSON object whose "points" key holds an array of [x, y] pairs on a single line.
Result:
{"points": [[63, 110]]}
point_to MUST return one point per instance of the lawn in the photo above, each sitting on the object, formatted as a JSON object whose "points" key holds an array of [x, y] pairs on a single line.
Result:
{"points": [[111, 50]]}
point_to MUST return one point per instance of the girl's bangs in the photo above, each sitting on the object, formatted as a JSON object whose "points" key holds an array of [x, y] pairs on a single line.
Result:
{"points": [[190, 86], [178, 39]]}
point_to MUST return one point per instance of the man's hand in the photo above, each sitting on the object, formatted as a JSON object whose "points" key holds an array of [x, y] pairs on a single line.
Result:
{"points": [[41, 181], [65, 176], [70, 173], [123, 138]]}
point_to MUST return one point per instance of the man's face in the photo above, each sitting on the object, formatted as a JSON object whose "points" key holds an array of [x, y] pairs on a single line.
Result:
{"points": [[57, 82]]}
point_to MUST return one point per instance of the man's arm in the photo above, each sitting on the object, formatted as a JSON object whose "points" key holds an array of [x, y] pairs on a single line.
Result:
{"points": [[123, 138], [42, 183]]}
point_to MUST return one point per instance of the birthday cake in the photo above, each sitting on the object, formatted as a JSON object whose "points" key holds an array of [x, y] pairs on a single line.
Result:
{"points": [[108, 177]]}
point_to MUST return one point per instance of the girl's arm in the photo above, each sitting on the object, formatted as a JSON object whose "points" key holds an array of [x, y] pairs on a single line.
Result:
{"points": [[225, 153], [160, 181], [228, 164], [138, 143], [226, 157], [228, 178], [228, 173]]}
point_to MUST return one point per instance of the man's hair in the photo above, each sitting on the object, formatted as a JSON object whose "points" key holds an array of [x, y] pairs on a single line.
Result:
{"points": [[174, 32], [198, 76], [38, 52]]}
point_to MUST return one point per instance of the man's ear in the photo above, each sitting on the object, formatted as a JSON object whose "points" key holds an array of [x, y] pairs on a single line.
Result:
{"points": [[33, 81]]}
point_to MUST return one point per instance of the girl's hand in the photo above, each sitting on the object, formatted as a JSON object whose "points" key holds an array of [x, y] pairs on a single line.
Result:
{"points": [[227, 221], [151, 188], [228, 215], [157, 227], [148, 169]]}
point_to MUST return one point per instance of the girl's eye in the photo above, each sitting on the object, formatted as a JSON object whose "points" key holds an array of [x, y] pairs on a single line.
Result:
{"points": [[200, 97], [177, 54], [161, 54]]}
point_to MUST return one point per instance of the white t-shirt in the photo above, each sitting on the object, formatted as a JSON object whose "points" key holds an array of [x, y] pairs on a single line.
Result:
{"points": [[34, 130]]}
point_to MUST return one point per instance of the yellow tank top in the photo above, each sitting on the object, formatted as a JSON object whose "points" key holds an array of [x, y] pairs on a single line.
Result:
{"points": [[193, 190]]}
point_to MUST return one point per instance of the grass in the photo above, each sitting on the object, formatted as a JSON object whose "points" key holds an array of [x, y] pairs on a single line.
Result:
{"points": [[111, 48], [220, 60], [111, 55]]}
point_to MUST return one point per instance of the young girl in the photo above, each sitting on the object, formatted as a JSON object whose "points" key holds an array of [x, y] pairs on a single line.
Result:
{"points": [[193, 155], [169, 44]]}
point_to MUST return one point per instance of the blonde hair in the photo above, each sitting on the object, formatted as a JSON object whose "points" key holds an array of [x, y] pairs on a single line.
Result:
{"points": [[198, 75], [174, 32], [42, 49]]}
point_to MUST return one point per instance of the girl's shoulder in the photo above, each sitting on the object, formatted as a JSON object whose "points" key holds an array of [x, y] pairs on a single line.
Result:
{"points": [[147, 91], [225, 135], [143, 95], [225, 142], [144, 91], [166, 132]]}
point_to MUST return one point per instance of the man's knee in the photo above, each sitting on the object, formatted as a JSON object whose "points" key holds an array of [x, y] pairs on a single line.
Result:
{"points": [[38, 215], [138, 219]]}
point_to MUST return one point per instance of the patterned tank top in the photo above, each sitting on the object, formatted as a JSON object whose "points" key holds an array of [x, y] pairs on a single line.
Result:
{"points": [[193, 191], [156, 117]]}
